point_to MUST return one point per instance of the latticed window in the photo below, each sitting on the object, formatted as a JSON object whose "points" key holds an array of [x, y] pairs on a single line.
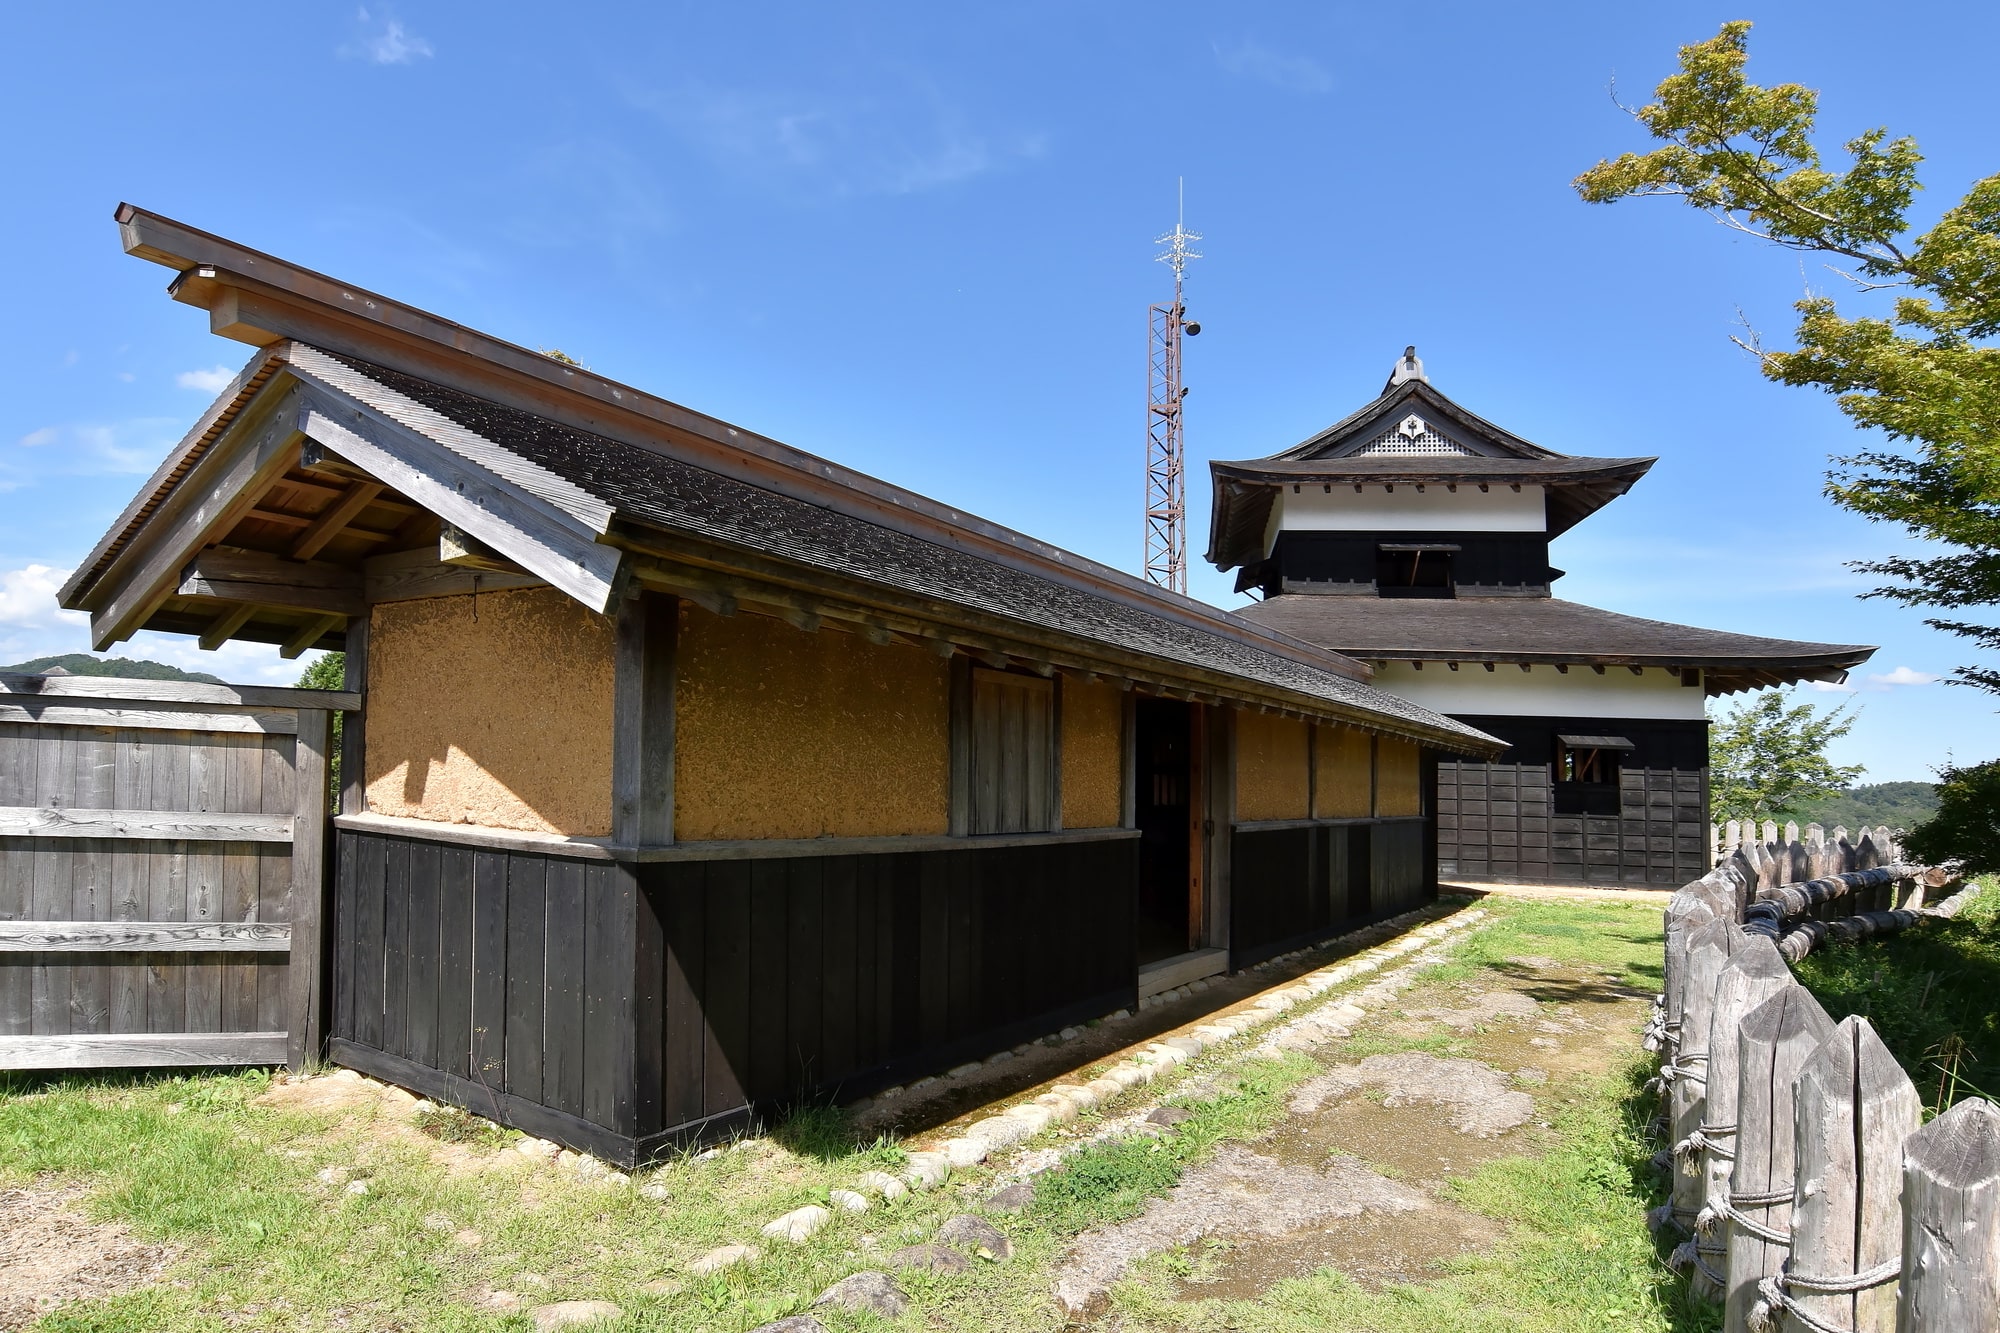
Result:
{"points": [[1411, 435]]}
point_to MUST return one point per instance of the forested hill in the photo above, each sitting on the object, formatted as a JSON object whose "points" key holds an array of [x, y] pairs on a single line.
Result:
{"points": [[83, 664], [1897, 804]]}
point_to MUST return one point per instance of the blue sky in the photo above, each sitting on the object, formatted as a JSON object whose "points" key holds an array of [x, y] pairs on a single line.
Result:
{"points": [[916, 238]]}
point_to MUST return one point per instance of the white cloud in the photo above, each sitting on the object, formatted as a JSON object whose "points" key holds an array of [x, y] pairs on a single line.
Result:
{"points": [[1251, 59], [897, 137], [1829, 687], [1902, 675], [28, 599], [213, 380], [90, 449], [387, 42]]}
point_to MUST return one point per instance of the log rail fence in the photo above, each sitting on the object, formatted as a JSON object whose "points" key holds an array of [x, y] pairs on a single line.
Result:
{"points": [[163, 853], [1812, 1196]]}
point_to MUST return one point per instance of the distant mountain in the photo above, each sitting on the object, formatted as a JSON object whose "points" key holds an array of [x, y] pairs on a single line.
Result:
{"points": [[1900, 805], [83, 664]]}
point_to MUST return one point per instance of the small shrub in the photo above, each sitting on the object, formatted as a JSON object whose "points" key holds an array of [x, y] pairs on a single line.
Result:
{"points": [[452, 1124]]}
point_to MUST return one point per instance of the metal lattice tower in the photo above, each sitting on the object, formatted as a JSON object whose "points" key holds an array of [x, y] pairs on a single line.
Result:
{"points": [[1166, 488]]}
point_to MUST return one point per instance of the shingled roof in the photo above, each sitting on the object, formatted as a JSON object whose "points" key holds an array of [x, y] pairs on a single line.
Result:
{"points": [[1464, 449], [1547, 630], [581, 482]]}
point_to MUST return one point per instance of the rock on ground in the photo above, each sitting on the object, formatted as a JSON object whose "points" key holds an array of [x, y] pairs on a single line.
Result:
{"points": [[931, 1258], [797, 1323], [1477, 1096], [1239, 1192], [572, 1314], [1013, 1198], [870, 1290], [976, 1234]]}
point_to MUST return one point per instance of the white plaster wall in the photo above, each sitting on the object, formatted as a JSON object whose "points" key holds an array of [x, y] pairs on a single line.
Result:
{"points": [[1542, 691], [1405, 509]]}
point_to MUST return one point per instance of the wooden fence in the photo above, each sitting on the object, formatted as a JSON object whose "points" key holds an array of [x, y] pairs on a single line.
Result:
{"points": [[162, 872], [1812, 1195]]}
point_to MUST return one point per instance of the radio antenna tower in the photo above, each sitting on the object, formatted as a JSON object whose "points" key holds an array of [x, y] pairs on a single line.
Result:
{"points": [[1166, 489]]}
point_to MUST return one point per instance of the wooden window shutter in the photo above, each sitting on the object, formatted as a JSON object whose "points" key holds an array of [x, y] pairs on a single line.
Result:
{"points": [[1011, 754]]}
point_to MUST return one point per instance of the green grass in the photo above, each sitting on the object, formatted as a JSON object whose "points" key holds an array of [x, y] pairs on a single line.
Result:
{"points": [[196, 1161], [1927, 991]]}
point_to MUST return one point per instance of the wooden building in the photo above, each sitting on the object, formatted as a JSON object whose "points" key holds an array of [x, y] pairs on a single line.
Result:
{"points": [[1414, 535], [694, 774]]}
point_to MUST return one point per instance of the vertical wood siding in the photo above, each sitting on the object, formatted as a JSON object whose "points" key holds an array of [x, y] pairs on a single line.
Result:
{"points": [[1297, 886], [614, 1007]]}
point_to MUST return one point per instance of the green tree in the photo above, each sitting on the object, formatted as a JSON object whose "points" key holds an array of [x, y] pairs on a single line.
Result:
{"points": [[1966, 827], [1767, 760], [1921, 371], [328, 671]]}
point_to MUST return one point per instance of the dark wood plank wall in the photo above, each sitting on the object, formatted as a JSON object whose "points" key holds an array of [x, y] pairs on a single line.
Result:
{"points": [[618, 1008], [508, 973], [1304, 883], [1496, 820], [110, 880]]}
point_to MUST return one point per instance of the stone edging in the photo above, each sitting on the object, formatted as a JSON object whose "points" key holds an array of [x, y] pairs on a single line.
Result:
{"points": [[930, 1168]]}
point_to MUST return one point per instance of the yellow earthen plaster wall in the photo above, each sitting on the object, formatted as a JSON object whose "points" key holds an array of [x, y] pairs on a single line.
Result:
{"points": [[1398, 770], [496, 714], [1093, 754], [1272, 767], [781, 733], [1345, 784]]}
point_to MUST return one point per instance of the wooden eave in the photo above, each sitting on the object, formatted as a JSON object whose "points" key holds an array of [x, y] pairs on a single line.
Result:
{"points": [[284, 448], [259, 299]]}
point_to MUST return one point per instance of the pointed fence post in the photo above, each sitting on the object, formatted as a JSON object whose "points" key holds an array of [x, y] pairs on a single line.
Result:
{"points": [[1951, 1223], [1710, 947], [1852, 1110], [1776, 1039], [1755, 973]]}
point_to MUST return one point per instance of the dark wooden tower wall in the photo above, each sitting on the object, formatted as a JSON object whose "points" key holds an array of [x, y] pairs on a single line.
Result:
{"points": [[1497, 820]]}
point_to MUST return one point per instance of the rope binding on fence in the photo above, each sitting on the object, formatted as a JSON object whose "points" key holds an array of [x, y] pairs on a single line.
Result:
{"points": [[1776, 1294]]}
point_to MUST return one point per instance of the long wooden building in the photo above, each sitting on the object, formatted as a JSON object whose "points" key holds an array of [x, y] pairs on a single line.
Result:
{"points": [[1414, 535], [694, 774]]}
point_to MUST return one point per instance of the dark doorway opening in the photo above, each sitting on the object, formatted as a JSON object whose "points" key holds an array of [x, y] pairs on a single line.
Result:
{"points": [[1166, 806]]}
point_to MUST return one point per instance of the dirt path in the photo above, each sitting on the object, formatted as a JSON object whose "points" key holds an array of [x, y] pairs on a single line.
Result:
{"points": [[1438, 1080]]}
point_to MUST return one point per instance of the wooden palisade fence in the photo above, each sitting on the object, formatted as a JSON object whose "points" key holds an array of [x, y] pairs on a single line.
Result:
{"points": [[1813, 1197], [162, 872]]}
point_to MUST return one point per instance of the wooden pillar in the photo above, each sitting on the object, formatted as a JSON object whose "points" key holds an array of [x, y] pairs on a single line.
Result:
{"points": [[642, 815], [642, 735], [1951, 1222], [307, 965], [1852, 1109], [1218, 723], [1776, 1038], [1754, 975], [354, 726]]}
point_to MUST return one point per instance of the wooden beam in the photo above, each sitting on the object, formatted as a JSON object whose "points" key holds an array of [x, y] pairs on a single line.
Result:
{"points": [[209, 501], [27, 821], [402, 576], [267, 580], [516, 523], [642, 727], [142, 1050], [16, 688], [144, 937], [306, 973], [462, 549], [309, 634], [354, 726], [337, 516], [223, 626]]}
